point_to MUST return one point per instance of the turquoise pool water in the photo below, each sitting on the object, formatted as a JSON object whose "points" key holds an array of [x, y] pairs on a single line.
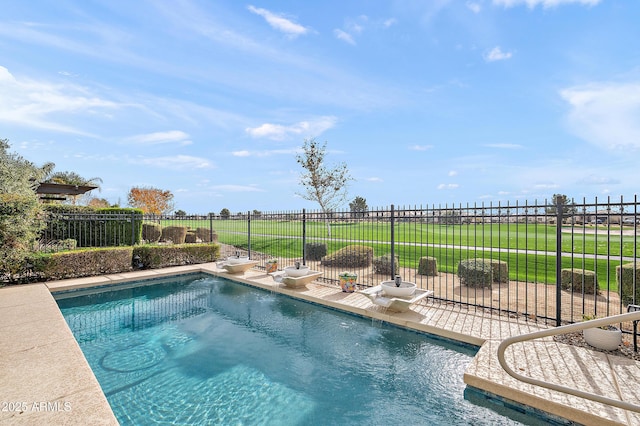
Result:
{"points": [[202, 350]]}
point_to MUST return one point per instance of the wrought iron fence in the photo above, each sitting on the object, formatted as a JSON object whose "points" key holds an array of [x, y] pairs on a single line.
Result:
{"points": [[551, 262]]}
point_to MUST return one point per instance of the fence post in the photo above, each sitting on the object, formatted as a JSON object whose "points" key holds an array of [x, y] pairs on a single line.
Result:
{"points": [[393, 258], [304, 236], [559, 215], [249, 234], [133, 229], [210, 228]]}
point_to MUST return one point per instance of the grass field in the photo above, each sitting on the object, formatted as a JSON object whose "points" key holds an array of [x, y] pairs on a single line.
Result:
{"points": [[447, 243]]}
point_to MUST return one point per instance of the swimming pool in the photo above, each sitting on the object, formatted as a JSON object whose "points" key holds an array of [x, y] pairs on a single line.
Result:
{"points": [[198, 349]]}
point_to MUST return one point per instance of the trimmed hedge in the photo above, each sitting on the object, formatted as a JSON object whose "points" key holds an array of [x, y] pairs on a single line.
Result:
{"points": [[82, 263], [315, 251], [151, 232], [475, 272], [350, 257], [205, 236], [428, 266], [174, 234], [579, 280], [625, 279], [176, 254]]}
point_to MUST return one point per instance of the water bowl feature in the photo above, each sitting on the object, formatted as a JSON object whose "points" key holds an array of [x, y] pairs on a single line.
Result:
{"points": [[297, 270], [398, 288]]}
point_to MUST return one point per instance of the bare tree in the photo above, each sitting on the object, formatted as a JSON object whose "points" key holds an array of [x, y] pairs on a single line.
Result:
{"points": [[326, 186]]}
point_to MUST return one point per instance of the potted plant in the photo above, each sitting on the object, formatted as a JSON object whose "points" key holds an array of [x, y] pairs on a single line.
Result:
{"points": [[348, 281], [606, 337], [272, 266]]}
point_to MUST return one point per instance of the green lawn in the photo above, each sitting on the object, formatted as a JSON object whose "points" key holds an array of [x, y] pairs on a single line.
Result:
{"points": [[448, 243]]}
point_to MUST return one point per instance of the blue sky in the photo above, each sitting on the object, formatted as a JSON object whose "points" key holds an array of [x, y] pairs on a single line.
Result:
{"points": [[427, 102]]}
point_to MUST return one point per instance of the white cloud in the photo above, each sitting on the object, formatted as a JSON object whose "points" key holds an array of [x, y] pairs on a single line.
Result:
{"points": [[544, 3], [496, 54], [448, 186], [344, 36], [389, 22], [605, 114], [243, 153], [178, 162], [474, 7], [33, 103], [452, 173], [279, 22], [420, 147], [171, 136], [280, 132], [374, 179]]}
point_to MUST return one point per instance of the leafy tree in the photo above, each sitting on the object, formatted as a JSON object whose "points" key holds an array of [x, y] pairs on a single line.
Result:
{"points": [[151, 200], [326, 186], [73, 178], [98, 203], [180, 213], [358, 207], [20, 212], [568, 207], [225, 213], [256, 213]]}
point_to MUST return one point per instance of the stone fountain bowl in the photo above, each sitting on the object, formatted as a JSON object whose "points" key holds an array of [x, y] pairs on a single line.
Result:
{"points": [[406, 288], [291, 271], [232, 260]]}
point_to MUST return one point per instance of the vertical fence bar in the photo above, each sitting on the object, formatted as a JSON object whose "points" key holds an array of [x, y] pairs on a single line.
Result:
{"points": [[304, 236], [559, 214], [393, 258], [249, 234]]}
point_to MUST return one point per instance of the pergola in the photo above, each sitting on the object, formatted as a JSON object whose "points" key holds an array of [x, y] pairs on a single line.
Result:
{"points": [[60, 192]]}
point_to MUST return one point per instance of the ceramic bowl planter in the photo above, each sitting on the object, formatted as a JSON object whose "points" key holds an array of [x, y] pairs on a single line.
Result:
{"points": [[348, 281], [271, 266], [605, 339]]}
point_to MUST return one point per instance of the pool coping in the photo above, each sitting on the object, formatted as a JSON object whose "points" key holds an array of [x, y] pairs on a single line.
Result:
{"points": [[71, 394]]}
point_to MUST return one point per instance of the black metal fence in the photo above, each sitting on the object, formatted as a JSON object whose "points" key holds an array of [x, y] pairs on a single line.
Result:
{"points": [[550, 261]]}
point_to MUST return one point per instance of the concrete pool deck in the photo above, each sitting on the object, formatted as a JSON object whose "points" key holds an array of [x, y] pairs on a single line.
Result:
{"points": [[45, 379]]}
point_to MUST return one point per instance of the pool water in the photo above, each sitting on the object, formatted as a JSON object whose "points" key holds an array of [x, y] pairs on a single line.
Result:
{"points": [[197, 349]]}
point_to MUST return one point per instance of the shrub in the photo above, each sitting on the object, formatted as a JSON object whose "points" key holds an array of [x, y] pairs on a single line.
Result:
{"points": [[500, 271], [151, 232], [475, 273], [175, 255], [626, 275], [174, 234], [579, 280], [190, 237], [82, 263], [205, 235], [428, 266], [382, 264], [20, 222], [350, 257], [315, 251]]}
